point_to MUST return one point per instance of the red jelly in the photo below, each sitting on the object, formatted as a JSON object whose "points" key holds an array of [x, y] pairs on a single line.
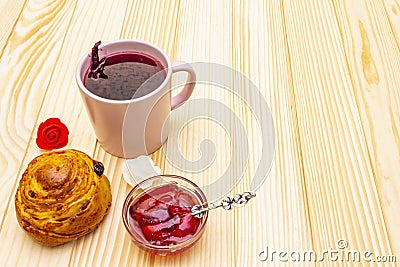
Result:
{"points": [[157, 214], [162, 215]]}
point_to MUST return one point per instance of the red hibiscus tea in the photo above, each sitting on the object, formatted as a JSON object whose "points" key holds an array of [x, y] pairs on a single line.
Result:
{"points": [[123, 76]]}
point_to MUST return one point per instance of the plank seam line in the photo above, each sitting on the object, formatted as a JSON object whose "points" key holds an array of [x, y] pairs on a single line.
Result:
{"points": [[362, 129], [13, 28], [20, 167], [392, 28], [173, 53], [235, 212], [297, 124]]}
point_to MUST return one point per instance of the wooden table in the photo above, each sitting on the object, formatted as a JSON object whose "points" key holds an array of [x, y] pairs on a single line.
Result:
{"points": [[329, 71]]}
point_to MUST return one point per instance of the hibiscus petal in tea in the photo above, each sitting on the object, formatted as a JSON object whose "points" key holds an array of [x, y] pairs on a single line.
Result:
{"points": [[123, 75]]}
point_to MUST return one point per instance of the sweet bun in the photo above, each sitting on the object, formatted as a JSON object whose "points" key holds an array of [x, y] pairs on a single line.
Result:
{"points": [[62, 196]]}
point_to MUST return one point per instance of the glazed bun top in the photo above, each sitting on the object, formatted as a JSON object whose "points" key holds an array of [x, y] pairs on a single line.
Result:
{"points": [[62, 195]]}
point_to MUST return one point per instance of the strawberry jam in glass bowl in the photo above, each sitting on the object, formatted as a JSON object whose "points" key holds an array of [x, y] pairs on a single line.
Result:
{"points": [[157, 214]]}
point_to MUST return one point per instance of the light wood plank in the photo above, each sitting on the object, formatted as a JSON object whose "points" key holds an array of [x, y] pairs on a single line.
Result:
{"points": [[27, 63], [278, 216], [329, 71], [374, 61], [392, 9], [11, 11], [341, 190], [61, 94]]}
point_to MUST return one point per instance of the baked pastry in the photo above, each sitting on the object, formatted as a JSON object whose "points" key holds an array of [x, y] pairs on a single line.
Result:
{"points": [[62, 196]]}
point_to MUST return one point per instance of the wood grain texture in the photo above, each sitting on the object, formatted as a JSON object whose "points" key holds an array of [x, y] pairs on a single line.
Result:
{"points": [[61, 99], [327, 69], [392, 9], [11, 11], [279, 217], [335, 156], [216, 247], [371, 47], [27, 63]]}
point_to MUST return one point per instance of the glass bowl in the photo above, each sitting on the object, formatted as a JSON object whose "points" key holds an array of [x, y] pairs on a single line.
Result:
{"points": [[154, 196]]}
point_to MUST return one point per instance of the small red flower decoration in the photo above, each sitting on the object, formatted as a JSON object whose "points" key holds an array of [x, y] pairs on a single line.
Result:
{"points": [[52, 133]]}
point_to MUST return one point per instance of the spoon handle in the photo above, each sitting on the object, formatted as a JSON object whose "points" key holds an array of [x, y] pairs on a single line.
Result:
{"points": [[239, 200]]}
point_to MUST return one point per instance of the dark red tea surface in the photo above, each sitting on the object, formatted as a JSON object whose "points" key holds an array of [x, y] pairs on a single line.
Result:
{"points": [[162, 215], [127, 75]]}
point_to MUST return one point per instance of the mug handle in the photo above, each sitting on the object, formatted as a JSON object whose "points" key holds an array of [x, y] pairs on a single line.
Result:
{"points": [[180, 98]]}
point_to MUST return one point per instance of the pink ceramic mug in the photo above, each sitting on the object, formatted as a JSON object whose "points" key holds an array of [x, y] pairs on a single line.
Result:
{"points": [[138, 126]]}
